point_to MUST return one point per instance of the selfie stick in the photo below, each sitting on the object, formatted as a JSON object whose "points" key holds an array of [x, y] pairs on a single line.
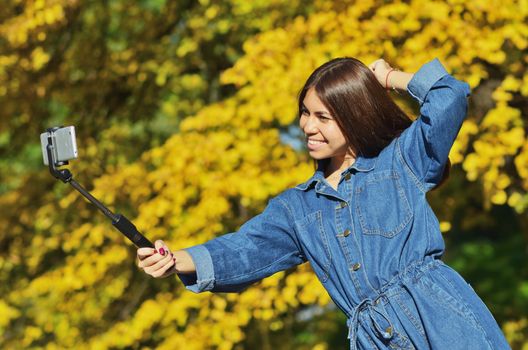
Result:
{"points": [[119, 221]]}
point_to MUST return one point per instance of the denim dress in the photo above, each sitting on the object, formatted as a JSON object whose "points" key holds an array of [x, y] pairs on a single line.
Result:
{"points": [[374, 243]]}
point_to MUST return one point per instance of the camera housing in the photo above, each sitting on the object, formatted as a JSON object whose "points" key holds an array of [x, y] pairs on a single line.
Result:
{"points": [[63, 142]]}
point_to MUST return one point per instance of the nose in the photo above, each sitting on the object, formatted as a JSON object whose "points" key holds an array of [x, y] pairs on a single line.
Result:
{"points": [[310, 125]]}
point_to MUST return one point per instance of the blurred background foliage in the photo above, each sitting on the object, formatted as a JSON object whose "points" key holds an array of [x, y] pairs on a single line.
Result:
{"points": [[185, 113]]}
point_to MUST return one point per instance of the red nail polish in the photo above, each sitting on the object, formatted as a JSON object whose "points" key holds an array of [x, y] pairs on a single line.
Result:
{"points": [[162, 251]]}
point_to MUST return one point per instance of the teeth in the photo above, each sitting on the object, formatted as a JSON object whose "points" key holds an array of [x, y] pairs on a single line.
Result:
{"points": [[313, 142]]}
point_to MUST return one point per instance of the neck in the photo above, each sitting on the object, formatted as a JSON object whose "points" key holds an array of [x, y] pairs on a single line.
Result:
{"points": [[338, 164]]}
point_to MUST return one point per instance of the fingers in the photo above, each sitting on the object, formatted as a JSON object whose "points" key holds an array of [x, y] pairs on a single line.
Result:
{"points": [[142, 253], [156, 261], [375, 64], [162, 271], [159, 268], [161, 247], [150, 261], [154, 258], [381, 69], [380, 63]]}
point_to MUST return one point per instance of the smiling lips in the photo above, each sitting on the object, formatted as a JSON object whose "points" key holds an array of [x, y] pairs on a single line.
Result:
{"points": [[314, 144]]}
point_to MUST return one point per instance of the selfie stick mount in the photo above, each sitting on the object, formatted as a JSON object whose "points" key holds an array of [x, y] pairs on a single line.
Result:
{"points": [[119, 221]]}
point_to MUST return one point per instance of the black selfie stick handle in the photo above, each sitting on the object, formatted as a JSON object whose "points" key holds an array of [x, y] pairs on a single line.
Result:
{"points": [[119, 221], [130, 231]]}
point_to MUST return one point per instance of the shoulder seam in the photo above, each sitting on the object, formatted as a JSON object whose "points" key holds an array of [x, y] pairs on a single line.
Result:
{"points": [[286, 206]]}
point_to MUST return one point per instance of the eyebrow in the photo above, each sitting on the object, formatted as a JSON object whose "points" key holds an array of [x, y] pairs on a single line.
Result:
{"points": [[303, 108]]}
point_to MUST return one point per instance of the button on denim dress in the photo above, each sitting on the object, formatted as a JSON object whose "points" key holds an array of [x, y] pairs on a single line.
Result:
{"points": [[374, 243]]}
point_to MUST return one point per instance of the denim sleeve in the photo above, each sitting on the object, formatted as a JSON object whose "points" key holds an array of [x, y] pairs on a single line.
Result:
{"points": [[263, 246], [425, 145]]}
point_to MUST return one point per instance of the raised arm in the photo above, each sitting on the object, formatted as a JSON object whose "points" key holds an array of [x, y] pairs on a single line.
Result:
{"points": [[425, 145]]}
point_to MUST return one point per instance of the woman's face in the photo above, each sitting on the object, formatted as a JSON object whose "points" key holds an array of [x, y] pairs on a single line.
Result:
{"points": [[324, 137]]}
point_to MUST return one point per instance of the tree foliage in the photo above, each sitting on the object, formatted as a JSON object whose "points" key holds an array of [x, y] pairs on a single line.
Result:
{"points": [[185, 114]]}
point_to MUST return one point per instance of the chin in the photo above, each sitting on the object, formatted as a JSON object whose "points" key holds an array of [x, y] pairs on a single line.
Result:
{"points": [[317, 156]]}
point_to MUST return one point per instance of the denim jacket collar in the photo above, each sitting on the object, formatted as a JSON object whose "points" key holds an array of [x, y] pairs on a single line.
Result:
{"points": [[361, 164]]}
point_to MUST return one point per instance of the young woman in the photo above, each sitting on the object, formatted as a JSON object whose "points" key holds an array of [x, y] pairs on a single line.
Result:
{"points": [[362, 220]]}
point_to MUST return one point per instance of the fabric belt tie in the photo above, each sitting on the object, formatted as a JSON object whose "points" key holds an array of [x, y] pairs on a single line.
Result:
{"points": [[377, 315]]}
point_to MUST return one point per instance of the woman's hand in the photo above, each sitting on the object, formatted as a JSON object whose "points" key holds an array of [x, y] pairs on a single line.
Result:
{"points": [[381, 68], [390, 77], [158, 262]]}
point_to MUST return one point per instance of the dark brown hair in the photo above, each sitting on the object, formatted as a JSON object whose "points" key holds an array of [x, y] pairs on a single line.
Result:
{"points": [[361, 106]]}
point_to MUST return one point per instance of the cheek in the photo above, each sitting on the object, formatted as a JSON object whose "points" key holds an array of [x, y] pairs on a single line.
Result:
{"points": [[302, 122], [336, 132]]}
